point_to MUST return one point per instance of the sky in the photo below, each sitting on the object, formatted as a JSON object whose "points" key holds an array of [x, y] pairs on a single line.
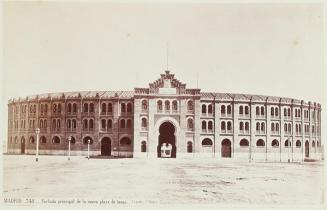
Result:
{"points": [[268, 49]]}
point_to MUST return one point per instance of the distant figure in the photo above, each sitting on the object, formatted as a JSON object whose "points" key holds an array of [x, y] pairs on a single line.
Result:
{"points": [[166, 150]]}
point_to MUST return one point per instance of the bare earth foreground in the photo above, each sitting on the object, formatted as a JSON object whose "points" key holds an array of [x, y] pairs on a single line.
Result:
{"points": [[54, 179]]}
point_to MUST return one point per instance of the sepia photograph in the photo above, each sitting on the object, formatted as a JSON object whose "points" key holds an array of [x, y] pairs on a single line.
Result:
{"points": [[178, 104]]}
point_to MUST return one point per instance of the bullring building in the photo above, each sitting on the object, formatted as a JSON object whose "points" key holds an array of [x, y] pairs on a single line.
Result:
{"points": [[166, 120]]}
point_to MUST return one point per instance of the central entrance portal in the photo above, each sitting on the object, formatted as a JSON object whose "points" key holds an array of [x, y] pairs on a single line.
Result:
{"points": [[166, 143]]}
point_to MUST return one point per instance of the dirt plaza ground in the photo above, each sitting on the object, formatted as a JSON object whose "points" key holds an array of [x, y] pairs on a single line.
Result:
{"points": [[163, 181]]}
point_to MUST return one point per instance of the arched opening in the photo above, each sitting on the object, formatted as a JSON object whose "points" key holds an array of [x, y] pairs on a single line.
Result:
{"points": [[106, 146], [56, 140], [275, 143], [307, 149], [143, 146], [125, 141], [86, 140], [166, 146], [244, 143], [226, 148], [189, 147], [22, 147]]}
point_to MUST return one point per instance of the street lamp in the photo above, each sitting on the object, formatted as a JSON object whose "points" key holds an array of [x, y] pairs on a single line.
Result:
{"points": [[88, 149], [37, 131], [69, 139]]}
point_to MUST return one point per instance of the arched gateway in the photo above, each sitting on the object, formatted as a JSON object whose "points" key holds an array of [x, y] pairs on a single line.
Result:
{"points": [[166, 141]]}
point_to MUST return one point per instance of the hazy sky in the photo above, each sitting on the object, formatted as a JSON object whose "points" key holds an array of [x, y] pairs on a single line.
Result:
{"points": [[270, 49]]}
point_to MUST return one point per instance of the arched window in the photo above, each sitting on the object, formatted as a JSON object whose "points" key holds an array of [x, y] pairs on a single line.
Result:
{"points": [[241, 110], [91, 123], [129, 124], [288, 112], [210, 109], [287, 143], [122, 107], [109, 124], [69, 123], [110, 107], [144, 123], [272, 111], [74, 108], [86, 107], [91, 107], [190, 124], [257, 126], [285, 112], [229, 126], [229, 109], [56, 140], [263, 126], [262, 110], [190, 105], [72, 140], [32, 140], [313, 144], [103, 124], [189, 147], [298, 143], [275, 143], [125, 141], [54, 108], [85, 124], [210, 125], [257, 111], [43, 140], [74, 123], [204, 125], [159, 106], [175, 105], [143, 146], [289, 128], [144, 105], [54, 123], [276, 111], [167, 105], [206, 142], [122, 123], [58, 123], [223, 125], [129, 107], [241, 126], [244, 143], [260, 143], [69, 108], [87, 140], [104, 108], [44, 124], [272, 126], [277, 127], [247, 126], [204, 108], [41, 123], [223, 109], [246, 110], [45, 108]]}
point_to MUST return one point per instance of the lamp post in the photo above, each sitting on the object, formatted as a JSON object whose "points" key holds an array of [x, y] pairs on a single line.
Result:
{"points": [[289, 147], [37, 131], [69, 139], [88, 149]]}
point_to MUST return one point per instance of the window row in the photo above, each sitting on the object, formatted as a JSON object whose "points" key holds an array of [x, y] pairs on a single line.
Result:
{"points": [[260, 111], [167, 105]]}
